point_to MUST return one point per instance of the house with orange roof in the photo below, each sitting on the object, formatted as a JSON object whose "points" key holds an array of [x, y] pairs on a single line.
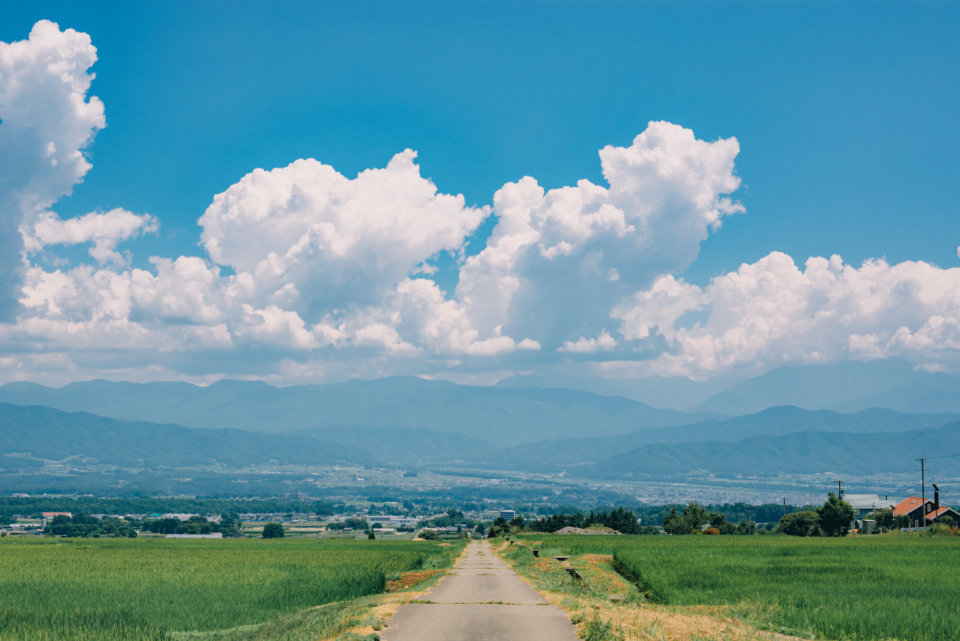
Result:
{"points": [[936, 514], [923, 512]]}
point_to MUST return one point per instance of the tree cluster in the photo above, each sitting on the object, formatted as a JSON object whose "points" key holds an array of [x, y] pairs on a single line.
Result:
{"points": [[84, 525], [451, 518], [351, 524], [695, 519], [229, 525], [833, 518], [733, 512], [619, 519]]}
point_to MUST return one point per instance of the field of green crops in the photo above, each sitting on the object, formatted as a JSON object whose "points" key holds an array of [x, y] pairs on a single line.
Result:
{"points": [[902, 587], [140, 589]]}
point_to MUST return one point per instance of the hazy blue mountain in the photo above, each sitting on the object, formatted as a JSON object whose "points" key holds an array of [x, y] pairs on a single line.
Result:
{"points": [[46, 433], [677, 393], [18, 464], [802, 452], [775, 421], [933, 393], [401, 444], [500, 416], [815, 386]]}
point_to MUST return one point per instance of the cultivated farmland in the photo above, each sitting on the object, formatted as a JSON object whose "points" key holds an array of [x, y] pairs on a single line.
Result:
{"points": [[140, 589], [881, 587]]}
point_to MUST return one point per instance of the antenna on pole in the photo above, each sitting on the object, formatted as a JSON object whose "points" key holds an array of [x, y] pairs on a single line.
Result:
{"points": [[839, 489]]}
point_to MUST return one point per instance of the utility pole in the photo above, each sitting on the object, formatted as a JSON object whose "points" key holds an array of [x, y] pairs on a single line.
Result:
{"points": [[839, 489], [923, 491], [784, 506]]}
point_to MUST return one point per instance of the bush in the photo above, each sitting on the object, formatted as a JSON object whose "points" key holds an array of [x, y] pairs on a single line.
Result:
{"points": [[273, 531], [798, 523], [942, 529], [428, 535]]}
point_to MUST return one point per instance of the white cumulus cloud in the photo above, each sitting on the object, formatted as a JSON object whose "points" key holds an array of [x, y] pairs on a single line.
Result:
{"points": [[46, 121], [772, 313], [559, 261], [103, 229]]}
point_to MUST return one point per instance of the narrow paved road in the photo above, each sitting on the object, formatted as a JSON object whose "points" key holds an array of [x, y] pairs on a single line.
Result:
{"points": [[481, 600]]}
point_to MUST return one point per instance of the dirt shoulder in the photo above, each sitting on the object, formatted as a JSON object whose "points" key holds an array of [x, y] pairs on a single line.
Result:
{"points": [[604, 605]]}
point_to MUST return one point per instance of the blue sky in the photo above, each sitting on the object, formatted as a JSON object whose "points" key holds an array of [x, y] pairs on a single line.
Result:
{"points": [[845, 113]]}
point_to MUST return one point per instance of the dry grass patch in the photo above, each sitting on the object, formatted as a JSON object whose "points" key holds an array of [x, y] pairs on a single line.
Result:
{"points": [[409, 579]]}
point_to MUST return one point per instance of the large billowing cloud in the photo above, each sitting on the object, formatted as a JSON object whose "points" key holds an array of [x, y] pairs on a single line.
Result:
{"points": [[559, 261], [330, 273], [46, 122], [772, 313]]}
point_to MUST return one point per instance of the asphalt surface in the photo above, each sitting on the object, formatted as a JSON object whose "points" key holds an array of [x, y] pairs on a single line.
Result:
{"points": [[481, 599]]}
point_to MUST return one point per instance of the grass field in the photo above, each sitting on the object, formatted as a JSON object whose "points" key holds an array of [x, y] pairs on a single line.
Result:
{"points": [[902, 587], [139, 589]]}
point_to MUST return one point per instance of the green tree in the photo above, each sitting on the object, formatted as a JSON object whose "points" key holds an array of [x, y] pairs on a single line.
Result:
{"points": [[695, 515], [273, 531], [901, 521], [517, 522], [371, 535], [836, 515], [799, 523], [620, 519], [746, 527], [673, 523], [882, 518]]}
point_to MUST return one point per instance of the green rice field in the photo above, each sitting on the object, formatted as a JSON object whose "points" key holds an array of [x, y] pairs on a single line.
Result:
{"points": [[904, 587], [112, 589]]}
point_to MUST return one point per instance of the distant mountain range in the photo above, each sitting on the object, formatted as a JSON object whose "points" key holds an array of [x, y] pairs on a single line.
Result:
{"points": [[782, 439], [848, 386], [777, 421], [819, 386], [499, 416], [402, 444], [46, 433], [798, 453]]}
